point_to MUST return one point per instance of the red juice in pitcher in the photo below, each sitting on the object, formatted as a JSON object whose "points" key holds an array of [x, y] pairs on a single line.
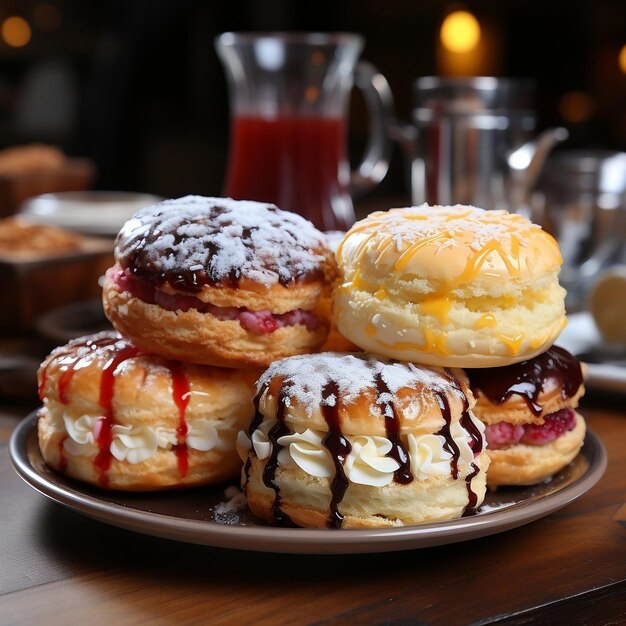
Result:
{"points": [[296, 162]]}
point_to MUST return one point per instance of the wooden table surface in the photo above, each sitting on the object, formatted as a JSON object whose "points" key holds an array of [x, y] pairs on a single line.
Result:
{"points": [[59, 567]]}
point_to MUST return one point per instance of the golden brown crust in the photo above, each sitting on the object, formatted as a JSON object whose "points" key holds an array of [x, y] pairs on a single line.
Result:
{"points": [[306, 499], [202, 338], [144, 400], [515, 410], [523, 464], [160, 471], [416, 404]]}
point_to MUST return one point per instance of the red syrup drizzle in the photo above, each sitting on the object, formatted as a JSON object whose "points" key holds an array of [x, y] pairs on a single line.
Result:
{"points": [[269, 472], [526, 379], [104, 426], [398, 451], [339, 448], [181, 393], [69, 364]]}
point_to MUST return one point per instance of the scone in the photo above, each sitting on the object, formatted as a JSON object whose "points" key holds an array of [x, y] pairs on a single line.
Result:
{"points": [[348, 440], [529, 408], [449, 286], [120, 419], [219, 282]]}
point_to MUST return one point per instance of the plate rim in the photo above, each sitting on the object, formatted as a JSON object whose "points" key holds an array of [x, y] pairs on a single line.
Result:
{"points": [[300, 540]]}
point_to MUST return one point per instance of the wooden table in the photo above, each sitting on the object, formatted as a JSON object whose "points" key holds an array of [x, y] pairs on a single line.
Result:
{"points": [[58, 567]]}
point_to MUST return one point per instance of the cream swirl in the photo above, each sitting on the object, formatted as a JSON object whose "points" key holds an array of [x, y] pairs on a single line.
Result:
{"points": [[428, 456], [368, 462], [80, 440], [133, 443], [308, 452], [137, 443]]}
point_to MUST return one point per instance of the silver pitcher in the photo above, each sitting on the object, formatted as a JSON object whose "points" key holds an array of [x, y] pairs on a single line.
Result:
{"points": [[471, 142]]}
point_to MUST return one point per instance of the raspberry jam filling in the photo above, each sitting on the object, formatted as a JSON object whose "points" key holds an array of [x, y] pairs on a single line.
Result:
{"points": [[257, 322], [502, 435]]}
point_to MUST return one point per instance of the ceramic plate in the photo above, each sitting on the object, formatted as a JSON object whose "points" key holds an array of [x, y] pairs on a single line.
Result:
{"points": [[92, 212], [206, 516], [606, 365]]}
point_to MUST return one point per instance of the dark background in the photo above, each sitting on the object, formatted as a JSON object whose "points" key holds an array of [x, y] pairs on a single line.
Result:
{"points": [[136, 84]]}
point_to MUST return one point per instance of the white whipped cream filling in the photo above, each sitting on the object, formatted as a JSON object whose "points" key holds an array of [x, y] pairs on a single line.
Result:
{"points": [[138, 443], [367, 463]]}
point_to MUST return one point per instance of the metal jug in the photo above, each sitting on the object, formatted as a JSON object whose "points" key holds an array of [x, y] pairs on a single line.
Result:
{"points": [[471, 142]]}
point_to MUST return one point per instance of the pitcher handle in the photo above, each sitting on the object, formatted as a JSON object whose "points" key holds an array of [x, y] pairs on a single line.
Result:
{"points": [[379, 102]]}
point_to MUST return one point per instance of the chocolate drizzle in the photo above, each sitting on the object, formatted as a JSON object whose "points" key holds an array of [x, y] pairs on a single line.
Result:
{"points": [[527, 379], [339, 448], [398, 451], [468, 424], [449, 443], [277, 431], [192, 242]]}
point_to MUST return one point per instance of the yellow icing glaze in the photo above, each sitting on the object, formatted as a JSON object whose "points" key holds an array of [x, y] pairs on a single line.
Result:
{"points": [[513, 344], [437, 306], [436, 342], [486, 320], [381, 294]]}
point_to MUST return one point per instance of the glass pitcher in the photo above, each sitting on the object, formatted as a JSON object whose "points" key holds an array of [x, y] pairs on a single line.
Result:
{"points": [[289, 95]]}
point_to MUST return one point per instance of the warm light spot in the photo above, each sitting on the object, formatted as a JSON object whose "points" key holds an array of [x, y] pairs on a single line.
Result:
{"points": [[577, 106], [15, 31], [622, 59], [460, 31], [311, 94], [317, 57]]}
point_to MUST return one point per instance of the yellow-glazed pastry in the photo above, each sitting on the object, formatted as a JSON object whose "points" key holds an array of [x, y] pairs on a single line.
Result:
{"points": [[453, 286]]}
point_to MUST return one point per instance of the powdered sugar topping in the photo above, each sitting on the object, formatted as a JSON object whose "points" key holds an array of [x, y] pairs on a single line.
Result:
{"points": [[221, 238], [305, 377], [449, 226]]}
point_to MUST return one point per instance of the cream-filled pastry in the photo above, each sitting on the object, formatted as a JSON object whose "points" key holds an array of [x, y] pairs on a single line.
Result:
{"points": [[219, 282], [449, 286], [349, 440], [122, 419], [529, 409]]}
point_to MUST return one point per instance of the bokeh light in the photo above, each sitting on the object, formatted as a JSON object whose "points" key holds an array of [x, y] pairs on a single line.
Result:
{"points": [[577, 106], [15, 31], [621, 59], [460, 31]]}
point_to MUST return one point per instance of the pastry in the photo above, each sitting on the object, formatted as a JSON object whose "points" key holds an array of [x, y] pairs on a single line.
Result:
{"points": [[449, 286], [529, 409], [219, 282], [121, 419], [348, 440]]}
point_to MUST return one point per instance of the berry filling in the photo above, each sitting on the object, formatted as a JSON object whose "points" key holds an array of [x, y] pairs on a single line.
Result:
{"points": [[257, 322], [502, 435]]}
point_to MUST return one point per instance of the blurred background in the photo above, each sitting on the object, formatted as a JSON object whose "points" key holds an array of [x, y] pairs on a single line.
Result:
{"points": [[136, 86]]}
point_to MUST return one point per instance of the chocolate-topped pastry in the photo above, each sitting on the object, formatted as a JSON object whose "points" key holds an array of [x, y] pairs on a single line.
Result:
{"points": [[349, 440], [218, 281], [532, 427], [121, 419]]}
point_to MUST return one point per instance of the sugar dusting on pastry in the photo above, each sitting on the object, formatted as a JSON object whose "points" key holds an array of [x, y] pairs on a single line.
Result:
{"points": [[305, 377], [222, 237]]}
